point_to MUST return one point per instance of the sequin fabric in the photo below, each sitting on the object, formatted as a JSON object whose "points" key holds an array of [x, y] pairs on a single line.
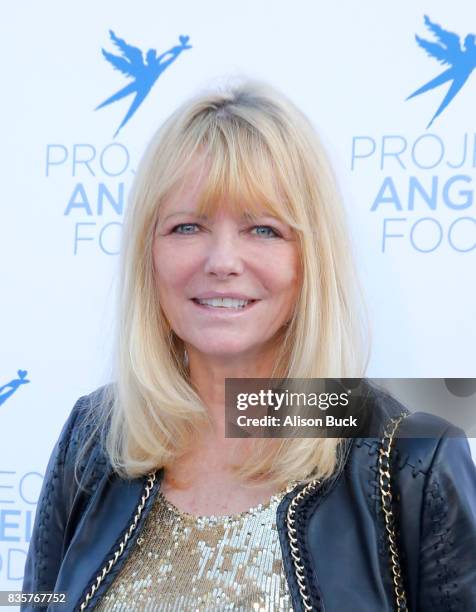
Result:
{"points": [[192, 563]]}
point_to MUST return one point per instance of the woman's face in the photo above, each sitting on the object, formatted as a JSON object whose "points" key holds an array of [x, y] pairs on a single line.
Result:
{"points": [[254, 262]]}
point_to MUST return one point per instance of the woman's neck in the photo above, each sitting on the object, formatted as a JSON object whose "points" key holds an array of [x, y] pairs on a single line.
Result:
{"points": [[209, 372]]}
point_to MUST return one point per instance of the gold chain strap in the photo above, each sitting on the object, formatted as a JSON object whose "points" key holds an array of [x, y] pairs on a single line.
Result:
{"points": [[107, 568], [298, 565], [386, 497]]}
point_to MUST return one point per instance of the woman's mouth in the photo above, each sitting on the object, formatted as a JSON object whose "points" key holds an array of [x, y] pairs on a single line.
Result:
{"points": [[224, 305]]}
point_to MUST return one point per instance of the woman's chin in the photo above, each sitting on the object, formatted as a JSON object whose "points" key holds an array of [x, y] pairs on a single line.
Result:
{"points": [[226, 351]]}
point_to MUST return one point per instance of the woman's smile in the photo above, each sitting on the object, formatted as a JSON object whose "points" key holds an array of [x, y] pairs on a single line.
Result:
{"points": [[226, 307]]}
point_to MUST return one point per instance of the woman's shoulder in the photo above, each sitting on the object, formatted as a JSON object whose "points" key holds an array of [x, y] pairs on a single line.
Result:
{"points": [[93, 401], [85, 414], [421, 441], [80, 446], [382, 407]]}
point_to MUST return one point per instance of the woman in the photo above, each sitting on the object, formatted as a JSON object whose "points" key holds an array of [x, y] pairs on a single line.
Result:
{"points": [[236, 264]]}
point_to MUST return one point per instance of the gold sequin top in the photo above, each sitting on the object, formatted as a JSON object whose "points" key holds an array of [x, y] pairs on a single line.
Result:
{"points": [[192, 563]]}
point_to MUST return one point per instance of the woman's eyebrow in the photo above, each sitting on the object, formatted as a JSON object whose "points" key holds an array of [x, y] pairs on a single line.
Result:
{"points": [[246, 216], [259, 215], [185, 212]]}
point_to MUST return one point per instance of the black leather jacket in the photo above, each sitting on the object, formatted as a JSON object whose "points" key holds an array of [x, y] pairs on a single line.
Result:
{"points": [[340, 544]]}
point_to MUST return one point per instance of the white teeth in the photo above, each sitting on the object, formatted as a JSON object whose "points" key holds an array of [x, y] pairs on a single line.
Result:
{"points": [[224, 302]]}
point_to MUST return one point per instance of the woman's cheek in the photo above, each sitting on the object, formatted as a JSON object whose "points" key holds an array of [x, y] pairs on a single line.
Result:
{"points": [[173, 260], [282, 272]]}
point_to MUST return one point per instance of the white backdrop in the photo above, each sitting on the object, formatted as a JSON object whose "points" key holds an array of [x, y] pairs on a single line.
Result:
{"points": [[65, 180]]}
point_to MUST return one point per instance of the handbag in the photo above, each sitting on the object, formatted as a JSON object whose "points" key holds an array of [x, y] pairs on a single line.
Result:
{"points": [[386, 498]]}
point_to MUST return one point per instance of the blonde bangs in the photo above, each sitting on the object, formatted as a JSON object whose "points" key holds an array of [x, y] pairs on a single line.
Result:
{"points": [[241, 170]]}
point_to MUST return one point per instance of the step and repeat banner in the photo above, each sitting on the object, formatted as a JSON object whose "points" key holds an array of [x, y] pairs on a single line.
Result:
{"points": [[391, 89]]}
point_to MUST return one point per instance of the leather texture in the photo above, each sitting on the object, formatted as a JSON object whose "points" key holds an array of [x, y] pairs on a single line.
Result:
{"points": [[340, 529]]}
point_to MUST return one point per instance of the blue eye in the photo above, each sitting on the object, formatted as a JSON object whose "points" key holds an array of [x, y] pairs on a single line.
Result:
{"points": [[187, 229], [174, 230], [267, 227]]}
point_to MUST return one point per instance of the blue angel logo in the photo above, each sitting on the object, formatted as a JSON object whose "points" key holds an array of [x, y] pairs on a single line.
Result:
{"points": [[449, 51], [144, 73], [9, 388]]}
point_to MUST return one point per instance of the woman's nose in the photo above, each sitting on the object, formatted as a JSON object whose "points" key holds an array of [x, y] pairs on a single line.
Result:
{"points": [[223, 255]]}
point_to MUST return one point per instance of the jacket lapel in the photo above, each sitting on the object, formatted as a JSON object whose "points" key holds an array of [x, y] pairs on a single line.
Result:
{"points": [[110, 514]]}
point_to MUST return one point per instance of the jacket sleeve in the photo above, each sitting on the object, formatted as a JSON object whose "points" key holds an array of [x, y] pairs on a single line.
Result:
{"points": [[46, 545], [448, 545]]}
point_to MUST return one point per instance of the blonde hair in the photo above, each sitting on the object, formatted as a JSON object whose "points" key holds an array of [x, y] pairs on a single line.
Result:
{"points": [[261, 151]]}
